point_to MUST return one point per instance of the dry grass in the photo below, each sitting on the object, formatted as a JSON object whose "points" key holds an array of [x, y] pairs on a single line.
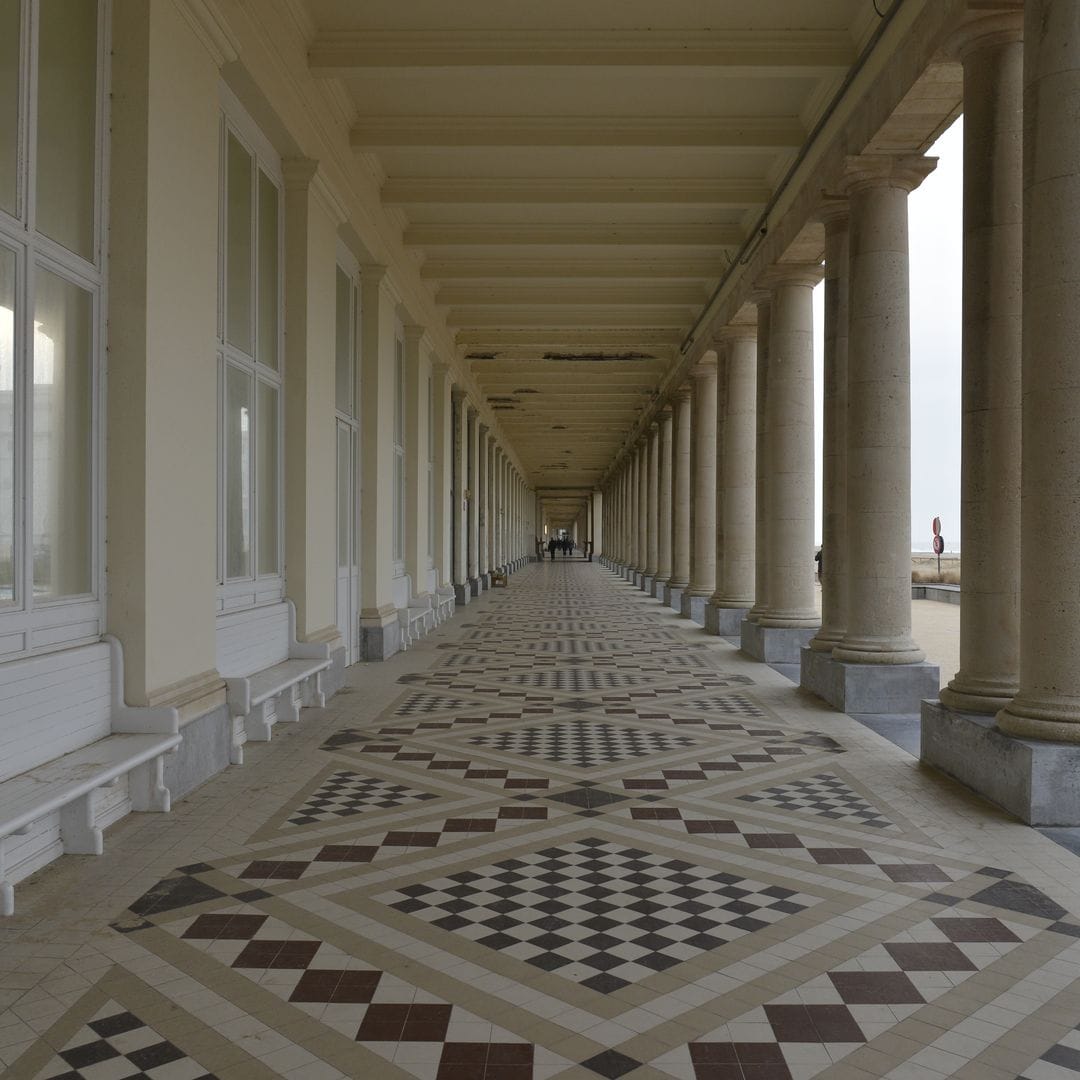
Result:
{"points": [[948, 576]]}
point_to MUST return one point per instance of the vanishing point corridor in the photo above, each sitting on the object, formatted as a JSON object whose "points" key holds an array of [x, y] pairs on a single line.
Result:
{"points": [[566, 835]]}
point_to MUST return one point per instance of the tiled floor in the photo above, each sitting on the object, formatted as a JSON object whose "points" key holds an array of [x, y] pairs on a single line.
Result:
{"points": [[568, 835]]}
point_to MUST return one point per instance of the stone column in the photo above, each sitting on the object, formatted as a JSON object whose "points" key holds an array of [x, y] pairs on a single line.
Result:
{"points": [[680, 500], [483, 512], [834, 583], [736, 391], [642, 522], [791, 616], [663, 516], [1048, 703], [491, 487], [473, 435], [761, 463], [703, 491], [416, 458], [879, 447], [992, 52], [443, 437], [652, 508], [460, 403], [635, 512]]}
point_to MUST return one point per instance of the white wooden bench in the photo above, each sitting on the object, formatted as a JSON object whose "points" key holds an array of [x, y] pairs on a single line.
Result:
{"points": [[65, 737], [268, 674], [415, 614], [442, 598]]}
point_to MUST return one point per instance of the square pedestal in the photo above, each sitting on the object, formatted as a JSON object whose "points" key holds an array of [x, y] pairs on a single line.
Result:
{"points": [[673, 597], [693, 607], [476, 586], [462, 593], [380, 636], [868, 688], [485, 580], [657, 589], [774, 644], [647, 583], [724, 621], [1037, 781]]}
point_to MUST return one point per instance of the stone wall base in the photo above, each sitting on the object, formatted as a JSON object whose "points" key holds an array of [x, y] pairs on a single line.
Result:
{"points": [[673, 596], [693, 607], [203, 753], [334, 678], [380, 639], [774, 644], [657, 590], [485, 581], [868, 688], [1037, 781], [647, 583], [724, 621], [462, 594]]}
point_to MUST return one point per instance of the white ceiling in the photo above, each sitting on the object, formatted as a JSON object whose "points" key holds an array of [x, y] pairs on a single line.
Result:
{"points": [[574, 177]]}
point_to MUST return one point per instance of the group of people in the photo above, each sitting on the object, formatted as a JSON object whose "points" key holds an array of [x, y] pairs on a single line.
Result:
{"points": [[563, 544]]}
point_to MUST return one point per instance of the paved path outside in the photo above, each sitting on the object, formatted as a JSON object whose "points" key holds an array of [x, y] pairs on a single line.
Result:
{"points": [[568, 835]]}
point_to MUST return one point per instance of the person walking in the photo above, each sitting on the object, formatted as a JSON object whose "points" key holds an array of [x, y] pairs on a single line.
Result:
{"points": [[551, 548]]}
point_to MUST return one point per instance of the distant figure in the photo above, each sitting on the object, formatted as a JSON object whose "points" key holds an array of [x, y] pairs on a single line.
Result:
{"points": [[551, 548], [817, 559]]}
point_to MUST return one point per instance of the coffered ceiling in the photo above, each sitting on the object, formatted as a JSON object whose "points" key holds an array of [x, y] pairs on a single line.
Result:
{"points": [[574, 177]]}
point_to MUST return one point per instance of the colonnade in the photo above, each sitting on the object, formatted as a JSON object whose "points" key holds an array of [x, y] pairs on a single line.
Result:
{"points": [[728, 459]]}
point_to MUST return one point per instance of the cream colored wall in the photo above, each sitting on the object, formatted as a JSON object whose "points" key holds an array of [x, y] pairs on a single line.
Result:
{"points": [[310, 448], [162, 368]]}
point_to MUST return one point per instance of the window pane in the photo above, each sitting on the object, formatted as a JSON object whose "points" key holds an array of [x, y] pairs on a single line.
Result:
{"points": [[237, 473], [62, 409], [7, 426], [343, 338], [344, 502], [67, 122], [238, 246], [268, 271], [399, 393], [269, 484], [9, 101]]}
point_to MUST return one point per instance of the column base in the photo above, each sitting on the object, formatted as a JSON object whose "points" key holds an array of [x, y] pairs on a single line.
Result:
{"points": [[724, 621], [1037, 781], [462, 593], [476, 586], [647, 583], [693, 607], [380, 636], [868, 688], [657, 590], [673, 596], [774, 644]]}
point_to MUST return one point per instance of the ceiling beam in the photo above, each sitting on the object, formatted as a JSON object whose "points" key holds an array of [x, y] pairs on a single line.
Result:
{"points": [[730, 133], [755, 53], [681, 191], [567, 340], [576, 295], [566, 317], [586, 233], [502, 268]]}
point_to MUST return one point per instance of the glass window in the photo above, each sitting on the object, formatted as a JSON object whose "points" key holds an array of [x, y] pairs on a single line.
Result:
{"points": [[61, 424], [67, 122], [399, 452], [9, 102], [266, 472], [237, 473], [7, 425], [269, 278], [238, 292], [343, 344]]}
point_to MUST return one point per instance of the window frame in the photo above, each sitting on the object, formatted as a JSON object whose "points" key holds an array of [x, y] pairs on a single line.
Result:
{"points": [[253, 588], [29, 624]]}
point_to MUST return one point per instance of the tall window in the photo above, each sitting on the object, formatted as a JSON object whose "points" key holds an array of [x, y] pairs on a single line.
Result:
{"points": [[52, 135], [431, 470], [249, 349], [399, 456]]}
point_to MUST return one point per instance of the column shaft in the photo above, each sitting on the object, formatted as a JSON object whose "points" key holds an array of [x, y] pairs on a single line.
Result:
{"points": [[703, 481], [680, 510], [761, 464], [653, 503], [663, 518]]}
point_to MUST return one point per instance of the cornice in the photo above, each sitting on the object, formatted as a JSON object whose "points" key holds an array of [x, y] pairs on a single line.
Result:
{"points": [[211, 28]]}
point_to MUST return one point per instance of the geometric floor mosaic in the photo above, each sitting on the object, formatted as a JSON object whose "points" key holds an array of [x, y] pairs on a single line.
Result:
{"points": [[567, 835]]}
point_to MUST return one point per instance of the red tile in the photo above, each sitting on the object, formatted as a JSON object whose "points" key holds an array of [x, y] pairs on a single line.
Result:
{"points": [[929, 956], [875, 988], [961, 929]]}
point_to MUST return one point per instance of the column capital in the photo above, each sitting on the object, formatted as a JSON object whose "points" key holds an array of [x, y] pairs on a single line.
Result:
{"points": [[736, 332], [780, 274], [683, 392], [414, 333], [984, 29], [303, 174], [458, 393], [665, 412], [654, 425], [474, 412], [903, 171], [705, 368], [439, 367], [834, 211]]}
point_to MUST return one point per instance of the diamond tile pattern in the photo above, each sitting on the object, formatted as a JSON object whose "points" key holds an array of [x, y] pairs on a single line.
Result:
{"points": [[346, 793], [824, 796]]}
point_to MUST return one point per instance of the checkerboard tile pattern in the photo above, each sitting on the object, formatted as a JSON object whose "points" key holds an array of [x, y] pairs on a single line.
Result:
{"points": [[344, 794], [596, 912], [117, 1045], [584, 744], [823, 796]]}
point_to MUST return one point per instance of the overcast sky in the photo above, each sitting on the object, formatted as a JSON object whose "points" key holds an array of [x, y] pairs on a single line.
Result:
{"points": [[935, 225]]}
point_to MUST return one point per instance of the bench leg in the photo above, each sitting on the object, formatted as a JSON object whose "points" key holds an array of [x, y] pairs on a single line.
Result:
{"points": [[287, 708], [257, 725], [311, 694], [239, 737], [146, 786], [7, 889], [78, 833]]}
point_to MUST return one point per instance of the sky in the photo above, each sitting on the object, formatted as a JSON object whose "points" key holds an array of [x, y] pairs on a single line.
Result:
{"points": [[934, 221]]}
